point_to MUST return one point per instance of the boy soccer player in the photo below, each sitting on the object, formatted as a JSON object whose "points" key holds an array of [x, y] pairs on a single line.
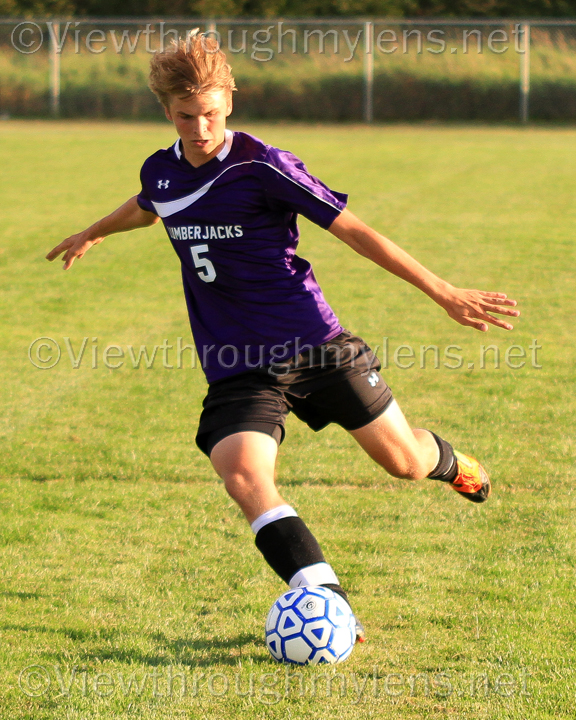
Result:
{"points": [[268, 341]]}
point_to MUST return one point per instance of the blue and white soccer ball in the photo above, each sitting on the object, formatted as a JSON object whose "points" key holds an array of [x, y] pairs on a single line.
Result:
{"points": [[310, 625]]}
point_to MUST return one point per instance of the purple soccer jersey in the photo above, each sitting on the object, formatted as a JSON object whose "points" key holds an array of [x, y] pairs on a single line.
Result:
{"points": [[233, 224]]}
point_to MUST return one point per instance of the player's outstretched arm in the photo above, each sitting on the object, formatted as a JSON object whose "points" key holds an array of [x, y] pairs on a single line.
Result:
{"points": [[467, 307], [127, 217]]}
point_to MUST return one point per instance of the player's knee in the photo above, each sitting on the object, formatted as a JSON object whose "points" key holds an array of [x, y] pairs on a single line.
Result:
{"points": [[236, 484], [241, 484]]}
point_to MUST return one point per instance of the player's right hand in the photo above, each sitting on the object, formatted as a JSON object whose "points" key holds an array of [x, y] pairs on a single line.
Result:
{"points": [[74, 248]]}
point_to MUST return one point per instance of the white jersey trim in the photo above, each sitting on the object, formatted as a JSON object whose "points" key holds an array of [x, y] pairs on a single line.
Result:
{"points": [[228, 138], [297, 183], [222, 155], [166, 209], [169, 208]]}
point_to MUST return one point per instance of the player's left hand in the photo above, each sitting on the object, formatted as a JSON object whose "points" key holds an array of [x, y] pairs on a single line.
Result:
{"points": [[474, 307]]}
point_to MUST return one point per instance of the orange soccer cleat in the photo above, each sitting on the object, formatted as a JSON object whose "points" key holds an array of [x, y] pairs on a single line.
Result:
{"points": [[472, 481]]}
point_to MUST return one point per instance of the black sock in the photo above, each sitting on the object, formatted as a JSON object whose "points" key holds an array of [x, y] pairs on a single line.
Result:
{"points": [[288, 546], [447, 468]]}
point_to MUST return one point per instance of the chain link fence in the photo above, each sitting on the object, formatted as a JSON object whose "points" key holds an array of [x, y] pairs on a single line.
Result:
{"points": [[328, 70]]}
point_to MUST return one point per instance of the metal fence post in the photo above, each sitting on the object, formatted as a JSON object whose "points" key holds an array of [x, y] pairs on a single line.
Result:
{"points": [[368, 72], [55, 70], [525, 74]]}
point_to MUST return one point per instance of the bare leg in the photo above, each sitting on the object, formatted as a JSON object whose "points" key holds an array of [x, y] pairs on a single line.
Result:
{"points": [[401, 451], [246, 462]]}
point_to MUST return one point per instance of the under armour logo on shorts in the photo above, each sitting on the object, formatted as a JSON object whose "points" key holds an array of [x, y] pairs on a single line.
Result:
{"points": [[373, 379], [163, 184]]}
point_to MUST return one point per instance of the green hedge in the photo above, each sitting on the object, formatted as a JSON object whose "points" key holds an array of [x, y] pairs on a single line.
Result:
{"points": [[289, 8], [397, 97]]}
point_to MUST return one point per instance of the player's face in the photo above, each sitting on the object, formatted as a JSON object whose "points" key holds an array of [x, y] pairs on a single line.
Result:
{"points": [[200, 121]]}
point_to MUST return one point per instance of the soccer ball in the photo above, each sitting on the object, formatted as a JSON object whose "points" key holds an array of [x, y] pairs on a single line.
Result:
{"points": [[310, 625]]}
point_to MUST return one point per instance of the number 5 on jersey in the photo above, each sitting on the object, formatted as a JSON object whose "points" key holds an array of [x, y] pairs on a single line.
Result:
{"points": [[204, 266]]}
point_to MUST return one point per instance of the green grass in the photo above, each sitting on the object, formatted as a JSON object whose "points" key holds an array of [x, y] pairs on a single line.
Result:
{"points": [[120, 552]]}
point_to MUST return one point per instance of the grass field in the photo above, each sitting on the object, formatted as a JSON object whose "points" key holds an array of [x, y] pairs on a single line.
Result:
{"points": [[128, 578]]}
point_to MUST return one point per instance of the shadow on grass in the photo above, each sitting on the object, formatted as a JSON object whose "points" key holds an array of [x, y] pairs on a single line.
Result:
{"points": [[21, 595], [204, 652], [187, 653]]}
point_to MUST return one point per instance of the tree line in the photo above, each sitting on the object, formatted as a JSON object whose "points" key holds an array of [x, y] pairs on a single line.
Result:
{"points": [[289, 8]]}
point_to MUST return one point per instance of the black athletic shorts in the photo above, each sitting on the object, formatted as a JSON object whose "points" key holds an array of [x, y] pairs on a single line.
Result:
{"points": [[337, 382]]}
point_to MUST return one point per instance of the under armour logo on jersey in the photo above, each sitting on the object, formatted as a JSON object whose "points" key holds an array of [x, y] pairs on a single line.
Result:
{"points": [[163, 184], [373, 379]]}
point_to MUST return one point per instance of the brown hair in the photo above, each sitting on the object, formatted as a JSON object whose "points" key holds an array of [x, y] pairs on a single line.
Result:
{"points": [[190, 67]]}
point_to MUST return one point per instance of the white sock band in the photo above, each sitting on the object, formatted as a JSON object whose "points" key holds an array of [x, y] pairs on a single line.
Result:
{"points": [[277, 513], [317, 574]]}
